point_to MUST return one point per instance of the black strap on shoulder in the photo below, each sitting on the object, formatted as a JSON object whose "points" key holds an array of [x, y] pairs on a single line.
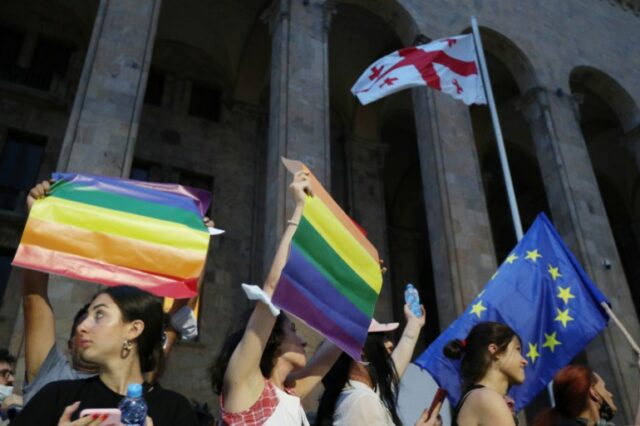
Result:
{"points": [[454, 421]]}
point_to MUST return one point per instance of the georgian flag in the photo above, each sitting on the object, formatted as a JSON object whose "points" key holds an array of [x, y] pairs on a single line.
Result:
{"points": [[448, 65]]}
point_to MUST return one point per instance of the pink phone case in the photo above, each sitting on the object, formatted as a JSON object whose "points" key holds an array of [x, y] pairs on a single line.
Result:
{"points": [[113, 415]]}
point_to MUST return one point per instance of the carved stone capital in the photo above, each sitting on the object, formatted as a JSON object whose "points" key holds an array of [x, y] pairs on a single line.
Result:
{"points": [[275, 13]]}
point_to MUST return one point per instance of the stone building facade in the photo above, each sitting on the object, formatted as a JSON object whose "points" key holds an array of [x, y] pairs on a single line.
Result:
{"points": [[211, 94]]}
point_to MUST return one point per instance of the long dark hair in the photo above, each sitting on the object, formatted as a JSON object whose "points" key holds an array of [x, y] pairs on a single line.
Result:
{"points": [[571, 393], [474, 350], [234, 335], [381, 369], [136, 304]]}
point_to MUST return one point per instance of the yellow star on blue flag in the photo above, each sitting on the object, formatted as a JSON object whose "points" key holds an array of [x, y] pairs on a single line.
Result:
{"points": [[477, 308], [533, 352], [564, 293], [548, 300]]}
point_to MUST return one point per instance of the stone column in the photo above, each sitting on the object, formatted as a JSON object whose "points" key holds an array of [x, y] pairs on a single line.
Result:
{"points": [[366, 166], [103, 125], [580, 217], [459, 230], [298, 114], [299, 104]]}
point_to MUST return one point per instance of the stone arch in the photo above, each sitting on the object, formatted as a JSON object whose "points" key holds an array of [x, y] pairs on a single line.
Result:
{"points": [[189, 61], [392, 13], [609, 91], [511, 55], [609, 120]]}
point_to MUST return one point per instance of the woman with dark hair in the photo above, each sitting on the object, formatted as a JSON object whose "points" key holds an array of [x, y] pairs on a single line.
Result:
{"points": [[491, 362], [261, 373], [581, 398], [122, 335], [367, 393]]}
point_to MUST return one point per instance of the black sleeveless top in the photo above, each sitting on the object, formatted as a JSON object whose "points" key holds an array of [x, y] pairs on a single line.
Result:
{"points": [[454, 420]]}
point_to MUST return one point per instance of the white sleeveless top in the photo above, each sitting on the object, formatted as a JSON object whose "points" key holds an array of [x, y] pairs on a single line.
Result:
{"points": [[288, 412], [274, 407]]}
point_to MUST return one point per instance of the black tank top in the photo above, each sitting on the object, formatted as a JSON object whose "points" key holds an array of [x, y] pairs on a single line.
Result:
{"points": [[454, 420]]}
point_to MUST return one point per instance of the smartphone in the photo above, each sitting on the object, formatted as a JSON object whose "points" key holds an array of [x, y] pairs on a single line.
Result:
{"points": [[439, 397], [112, 415]]}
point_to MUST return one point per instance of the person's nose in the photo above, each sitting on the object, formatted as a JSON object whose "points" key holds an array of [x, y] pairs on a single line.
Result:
{"points": [[83, 325]]}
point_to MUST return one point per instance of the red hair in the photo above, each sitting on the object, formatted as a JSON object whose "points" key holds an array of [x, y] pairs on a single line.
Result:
{"points": [[571, 392]]}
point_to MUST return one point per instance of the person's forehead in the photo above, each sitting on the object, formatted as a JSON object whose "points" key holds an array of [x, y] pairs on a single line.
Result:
{"points": [[4, 365], [102, 299]]}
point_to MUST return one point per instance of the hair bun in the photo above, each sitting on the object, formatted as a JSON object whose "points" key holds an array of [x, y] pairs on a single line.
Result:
{"points": [[454, 349]]}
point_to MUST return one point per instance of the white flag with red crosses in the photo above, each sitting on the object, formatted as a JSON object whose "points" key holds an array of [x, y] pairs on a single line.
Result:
{"points": [[448, 65]]}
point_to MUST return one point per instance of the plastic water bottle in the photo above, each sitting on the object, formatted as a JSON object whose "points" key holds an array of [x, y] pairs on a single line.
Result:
{"points": [[412, 298], [133, 408]]}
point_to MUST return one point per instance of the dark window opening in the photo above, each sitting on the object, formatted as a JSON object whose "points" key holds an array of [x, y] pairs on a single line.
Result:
{"points": [[50, 59], [140, 171], [205, 102], [10, 45], [19, 166], [155, 88]]}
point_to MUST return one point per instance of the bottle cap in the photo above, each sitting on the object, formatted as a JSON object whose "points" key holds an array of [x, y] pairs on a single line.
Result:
{"points": [[134, 390]]}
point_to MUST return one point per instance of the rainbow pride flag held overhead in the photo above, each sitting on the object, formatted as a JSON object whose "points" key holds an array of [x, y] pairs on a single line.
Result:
{"points": [[332, 278], [119, 232]]}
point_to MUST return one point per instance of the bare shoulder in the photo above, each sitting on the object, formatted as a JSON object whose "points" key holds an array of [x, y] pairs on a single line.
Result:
{"points": [[485, 406], [486, 396]]}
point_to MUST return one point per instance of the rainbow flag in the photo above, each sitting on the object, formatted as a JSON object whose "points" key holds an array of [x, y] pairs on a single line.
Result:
{"points": [[332, 278], [119, 232]]}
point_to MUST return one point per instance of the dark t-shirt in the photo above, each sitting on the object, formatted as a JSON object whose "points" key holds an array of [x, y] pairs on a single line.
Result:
{"points": [[45, 408]]}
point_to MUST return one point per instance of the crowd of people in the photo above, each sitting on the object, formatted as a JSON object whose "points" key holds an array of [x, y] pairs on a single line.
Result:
{"points": [[262, 374]]}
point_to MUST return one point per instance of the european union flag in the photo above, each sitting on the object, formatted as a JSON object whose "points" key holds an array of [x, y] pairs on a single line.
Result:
{"points": [[545, 296]]}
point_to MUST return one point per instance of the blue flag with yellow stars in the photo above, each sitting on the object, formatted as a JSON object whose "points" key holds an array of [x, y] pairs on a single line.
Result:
{"points": [[545, 296]]}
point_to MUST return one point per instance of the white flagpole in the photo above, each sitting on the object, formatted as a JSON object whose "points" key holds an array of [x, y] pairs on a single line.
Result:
{"points": [[513, 204], [506, 172]]}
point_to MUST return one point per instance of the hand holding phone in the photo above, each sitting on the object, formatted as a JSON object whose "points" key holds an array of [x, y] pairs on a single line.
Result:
{"points": [[111, 416]]}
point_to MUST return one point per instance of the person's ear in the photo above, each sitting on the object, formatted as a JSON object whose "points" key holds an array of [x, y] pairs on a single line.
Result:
{"points": [[136, 327], [594, 395], [493, 349]]}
